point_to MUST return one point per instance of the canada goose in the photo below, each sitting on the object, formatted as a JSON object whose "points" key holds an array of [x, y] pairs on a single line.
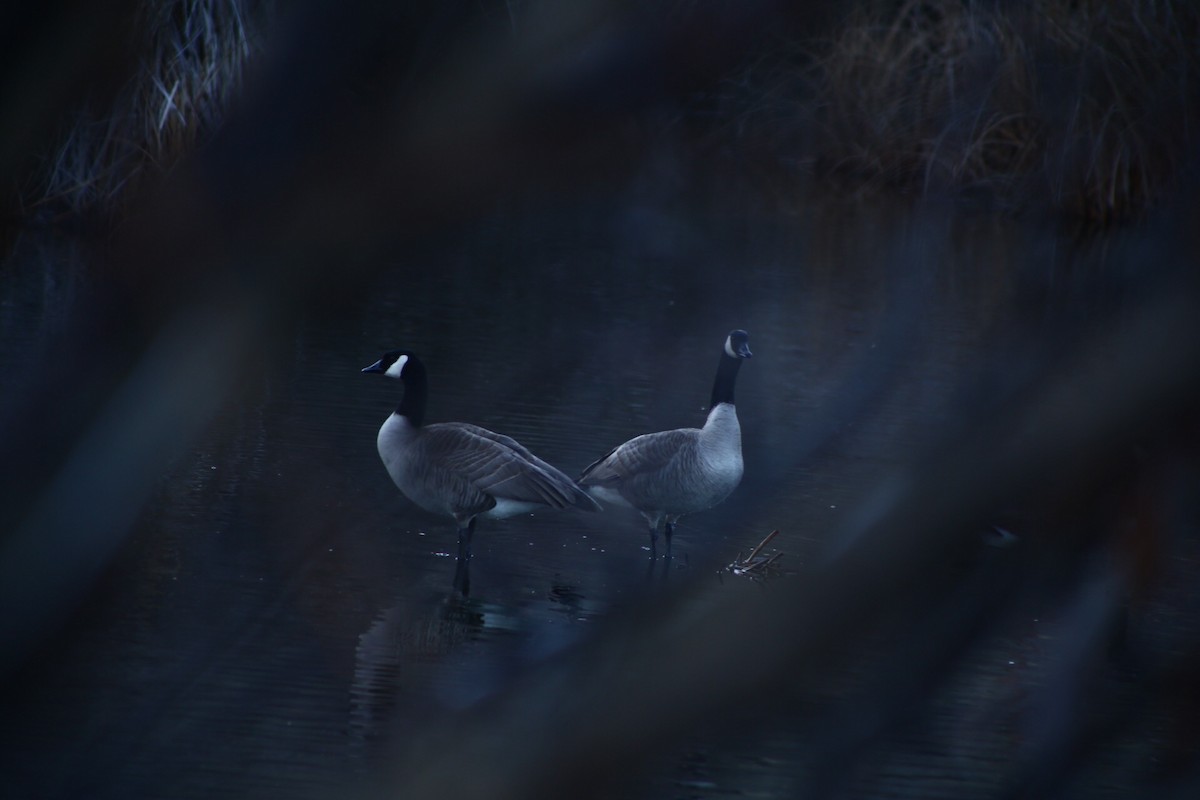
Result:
{"points": [[461, 470], [671, 473]]}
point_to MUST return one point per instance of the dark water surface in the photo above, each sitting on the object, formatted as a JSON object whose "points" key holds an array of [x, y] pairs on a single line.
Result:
{"points": [[280, 614]]}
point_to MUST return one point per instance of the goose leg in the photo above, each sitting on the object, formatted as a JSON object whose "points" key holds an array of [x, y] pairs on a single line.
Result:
{"points": [[462, 576], [668, 529], [653, 539]]}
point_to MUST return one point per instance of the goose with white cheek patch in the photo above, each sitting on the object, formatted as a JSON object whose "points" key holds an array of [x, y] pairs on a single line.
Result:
{"points": [[460, 470], [671, 473]]}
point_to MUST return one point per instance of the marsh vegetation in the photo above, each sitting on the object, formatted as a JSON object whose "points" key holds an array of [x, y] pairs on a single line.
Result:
{"points": [[1087, 111]]}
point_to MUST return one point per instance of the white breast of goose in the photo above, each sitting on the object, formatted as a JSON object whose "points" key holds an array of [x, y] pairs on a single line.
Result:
{"points": [[395, 441], [720, 452], [721, 444]]}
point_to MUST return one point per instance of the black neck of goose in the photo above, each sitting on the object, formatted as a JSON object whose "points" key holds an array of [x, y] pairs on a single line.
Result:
{"points": [[416, 389], [727, 372]]}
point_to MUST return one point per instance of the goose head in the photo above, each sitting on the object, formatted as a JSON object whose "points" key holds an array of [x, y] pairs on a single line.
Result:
{"points": [[392, 363], [403, 365], [737, 344]]}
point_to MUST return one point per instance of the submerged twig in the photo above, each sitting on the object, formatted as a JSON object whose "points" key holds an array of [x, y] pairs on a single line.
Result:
{"points": [[756, 566]]}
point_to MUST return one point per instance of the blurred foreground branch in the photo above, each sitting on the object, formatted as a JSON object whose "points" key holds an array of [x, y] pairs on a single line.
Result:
{"points": [[287, 211]]}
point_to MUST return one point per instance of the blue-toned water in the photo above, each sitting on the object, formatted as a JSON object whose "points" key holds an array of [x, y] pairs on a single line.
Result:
{"points": [[279, 616]]}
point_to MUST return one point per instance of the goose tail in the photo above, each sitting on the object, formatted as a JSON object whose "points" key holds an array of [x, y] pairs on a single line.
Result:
{"points": [[582, 500]]}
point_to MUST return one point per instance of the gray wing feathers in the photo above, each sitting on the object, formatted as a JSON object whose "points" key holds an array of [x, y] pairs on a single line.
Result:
{"points": [[662, 473], [652, 454], [496, 466]]}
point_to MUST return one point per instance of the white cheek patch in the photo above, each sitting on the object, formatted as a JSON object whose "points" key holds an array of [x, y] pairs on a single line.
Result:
{"points": [[398, 367], [729, 347]]}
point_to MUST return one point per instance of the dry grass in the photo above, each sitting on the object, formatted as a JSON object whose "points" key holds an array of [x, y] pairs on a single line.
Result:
{"points": [[1090, 108], [1129, 122], [194, 54], [932, 98], [1083, 108]]}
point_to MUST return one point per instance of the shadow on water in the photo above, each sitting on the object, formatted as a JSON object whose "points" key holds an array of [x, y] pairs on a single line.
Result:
{"points": [[281, 617]]}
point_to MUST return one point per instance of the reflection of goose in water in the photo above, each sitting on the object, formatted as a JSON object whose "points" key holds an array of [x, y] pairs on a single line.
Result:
{"points": [[397, 659], [420, 658], [460, 470], [671, 473]]}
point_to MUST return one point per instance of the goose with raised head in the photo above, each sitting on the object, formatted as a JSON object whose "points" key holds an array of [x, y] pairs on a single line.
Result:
{"points": [[461, 470], [668, 474]]}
